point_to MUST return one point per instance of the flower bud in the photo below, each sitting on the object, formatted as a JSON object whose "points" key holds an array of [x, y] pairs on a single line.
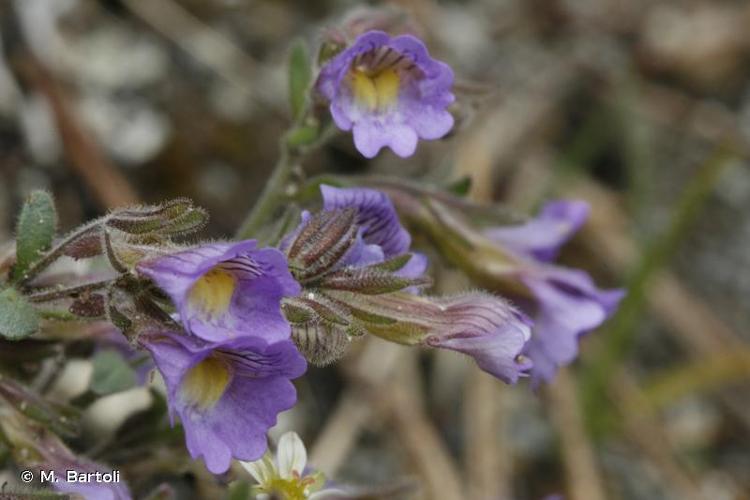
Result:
{"points": [[175, 217], [480, 325], [89, 306]]}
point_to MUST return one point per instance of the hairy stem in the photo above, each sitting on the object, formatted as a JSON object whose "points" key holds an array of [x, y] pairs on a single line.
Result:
{"points": [[56, 252], [272, 193], [61, 293], [275, 192]]}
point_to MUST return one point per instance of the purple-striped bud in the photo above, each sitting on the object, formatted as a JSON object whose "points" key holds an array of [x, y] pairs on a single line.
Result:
{"points": [[354, 245]]}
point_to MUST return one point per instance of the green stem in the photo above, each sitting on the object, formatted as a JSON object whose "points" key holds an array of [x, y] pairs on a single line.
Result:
{"points": [[55, 315], [272, 193], [275, 191]]}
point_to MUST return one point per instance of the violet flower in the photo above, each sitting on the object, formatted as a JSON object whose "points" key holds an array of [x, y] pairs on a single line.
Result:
{"points": [[226, 290], [543, 236], [355, 244], [228, 393], [566, 302], [381, 235], [350, 261], [480, 325], [389, 92]]}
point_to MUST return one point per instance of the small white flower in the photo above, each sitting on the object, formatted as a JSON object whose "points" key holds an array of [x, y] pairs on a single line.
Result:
{"points": [[284, 477]]}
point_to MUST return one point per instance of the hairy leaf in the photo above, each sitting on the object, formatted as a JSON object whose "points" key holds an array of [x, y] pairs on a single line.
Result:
{"points": [[34, 231], [18, 318]]}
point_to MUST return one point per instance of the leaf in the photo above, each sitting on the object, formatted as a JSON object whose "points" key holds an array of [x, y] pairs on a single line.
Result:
{"points": [[303, 135], [111, 373], [18, 318], [460, 187], [60, 418], [300, 75], [34, 231]]}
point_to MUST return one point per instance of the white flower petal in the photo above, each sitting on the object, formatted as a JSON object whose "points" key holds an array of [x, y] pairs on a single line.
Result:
{"points": [[263, 470], [291, 454]]}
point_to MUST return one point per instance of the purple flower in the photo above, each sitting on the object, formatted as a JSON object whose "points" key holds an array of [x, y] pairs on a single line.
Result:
{"points": [[381, 234], [226, 290], [227, 394], [565, 302], [388, 91], [355, 246], [542, 236], [489, 330]]}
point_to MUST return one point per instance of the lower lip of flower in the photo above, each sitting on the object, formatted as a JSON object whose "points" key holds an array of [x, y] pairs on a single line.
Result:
{"points": [[205, 383]]}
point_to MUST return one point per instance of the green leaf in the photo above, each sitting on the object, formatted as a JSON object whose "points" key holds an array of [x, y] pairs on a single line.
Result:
{"points": [[111, 373], [300, 75], [35, 230], [460, 187], [18, 318], [60, 418], [302, 135]]}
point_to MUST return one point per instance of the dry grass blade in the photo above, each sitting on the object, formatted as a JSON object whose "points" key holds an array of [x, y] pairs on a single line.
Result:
{"points": [[583, 477]]}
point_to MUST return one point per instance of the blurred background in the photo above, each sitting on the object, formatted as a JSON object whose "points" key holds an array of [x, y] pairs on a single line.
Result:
{"points": [[642, 108]]}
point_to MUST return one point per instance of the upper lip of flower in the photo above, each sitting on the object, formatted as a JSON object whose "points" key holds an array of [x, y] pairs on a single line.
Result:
{"points": [[215, 287]]}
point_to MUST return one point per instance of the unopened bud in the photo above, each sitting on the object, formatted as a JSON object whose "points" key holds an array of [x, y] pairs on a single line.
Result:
{"points": [[319, 343], [322, 243], [174, 217], [89, 306]]}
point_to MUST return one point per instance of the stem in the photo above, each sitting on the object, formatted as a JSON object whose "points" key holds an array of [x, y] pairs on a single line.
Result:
{"points": [[62, 293], [275, 192], [272, 193], [56, 252], [58, 315]]}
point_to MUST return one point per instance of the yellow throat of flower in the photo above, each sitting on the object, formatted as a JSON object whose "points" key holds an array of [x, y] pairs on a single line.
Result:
{"points": [[205, 382], [377, 91], [212, 292]]}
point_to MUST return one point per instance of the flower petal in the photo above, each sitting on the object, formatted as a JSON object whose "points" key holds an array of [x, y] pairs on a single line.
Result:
{"points": [[263, 470], [226, 290], [542, 236], [235, 424], [569, 305], [389, 92], [479, 325], [490, 331], [292, 455], [370, 136], [375, 214]]}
